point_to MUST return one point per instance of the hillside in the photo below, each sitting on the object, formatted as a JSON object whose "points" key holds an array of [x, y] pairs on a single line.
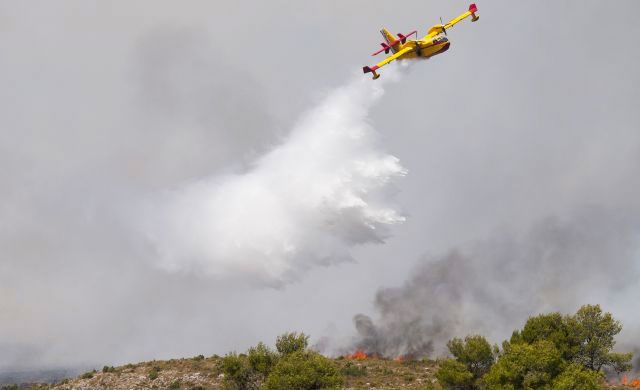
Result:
{"points": [[201, 373], [206, 373]]}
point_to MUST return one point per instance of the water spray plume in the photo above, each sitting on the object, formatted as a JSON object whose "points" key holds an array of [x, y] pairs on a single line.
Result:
{"points": [[305, 203]]}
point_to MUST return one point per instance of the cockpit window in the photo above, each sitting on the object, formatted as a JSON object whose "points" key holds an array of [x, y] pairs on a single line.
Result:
{"points": [[440, 38]]}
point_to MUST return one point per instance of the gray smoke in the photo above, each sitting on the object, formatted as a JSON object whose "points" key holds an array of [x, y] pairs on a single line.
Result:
{"points": [[491, 287]]}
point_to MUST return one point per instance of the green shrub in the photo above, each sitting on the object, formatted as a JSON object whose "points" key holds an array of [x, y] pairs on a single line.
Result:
{"points": [[175, 385], [198, 358], [576, 377], [262, 359], [474, 352], [10, 387], [153, 374], [301, 370], [237, 372], [586, 337], [453, 374], [106, 369], [88, 374], [291, 342], [551, 327], [525, 366], [595, 332]]}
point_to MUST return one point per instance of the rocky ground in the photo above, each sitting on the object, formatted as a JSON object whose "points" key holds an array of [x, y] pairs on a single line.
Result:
{"points": [[201, 373], [205, 373]]}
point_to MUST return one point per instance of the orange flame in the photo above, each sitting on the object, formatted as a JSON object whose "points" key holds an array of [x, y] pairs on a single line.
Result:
{"points": [[404, 358], [357, 355], [635, 383]]}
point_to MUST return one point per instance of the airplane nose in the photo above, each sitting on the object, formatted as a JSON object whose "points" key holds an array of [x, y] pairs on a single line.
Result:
{"points": [[444, 48]]}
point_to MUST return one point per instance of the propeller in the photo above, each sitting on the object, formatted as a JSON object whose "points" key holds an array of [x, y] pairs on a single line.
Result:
{"points": [[444, 30]]}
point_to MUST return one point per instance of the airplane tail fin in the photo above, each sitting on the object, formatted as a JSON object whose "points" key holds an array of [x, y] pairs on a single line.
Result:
{"points": [[473, 9], [388, 37]]}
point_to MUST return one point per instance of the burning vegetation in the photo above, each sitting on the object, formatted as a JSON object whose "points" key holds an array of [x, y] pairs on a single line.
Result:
{"points": [[551, 351], [634, 383], [357, 355]]}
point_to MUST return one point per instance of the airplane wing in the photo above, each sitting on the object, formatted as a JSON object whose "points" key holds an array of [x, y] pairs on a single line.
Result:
{"points": [[471, 12], [382, 63]]}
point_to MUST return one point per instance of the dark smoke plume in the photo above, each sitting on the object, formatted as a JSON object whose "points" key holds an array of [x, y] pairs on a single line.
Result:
{"points": [[492, 287]]}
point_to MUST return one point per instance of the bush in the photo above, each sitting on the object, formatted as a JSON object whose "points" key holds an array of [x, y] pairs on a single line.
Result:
{"points": [[291, 342], [88, 374], [552, 327], [198, 358], [474, 352], [153, 374], [525, 366], [576, 377], [453, 374], [106, 369], [237, 373], [301, 370], [262, 359], [175, 385], [586, 338], [595, 332]]}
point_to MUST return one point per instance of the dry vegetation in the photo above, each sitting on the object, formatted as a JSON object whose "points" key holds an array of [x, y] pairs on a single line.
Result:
{"points": [[197, 373], [206, 373]]}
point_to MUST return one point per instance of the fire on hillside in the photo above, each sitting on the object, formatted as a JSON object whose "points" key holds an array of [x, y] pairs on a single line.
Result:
{"points": [[358, 355], [362, 355], [635, 383]]}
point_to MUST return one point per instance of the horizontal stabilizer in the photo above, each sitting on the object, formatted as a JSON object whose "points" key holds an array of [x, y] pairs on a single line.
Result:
{"points": [[391, 44]]}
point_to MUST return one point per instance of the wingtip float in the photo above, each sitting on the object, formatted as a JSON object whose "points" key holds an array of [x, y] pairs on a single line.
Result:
{"points": [[435, 42]]}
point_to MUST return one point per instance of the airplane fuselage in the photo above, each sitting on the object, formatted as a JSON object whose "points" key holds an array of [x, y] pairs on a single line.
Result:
{"points": [[427, 47]]}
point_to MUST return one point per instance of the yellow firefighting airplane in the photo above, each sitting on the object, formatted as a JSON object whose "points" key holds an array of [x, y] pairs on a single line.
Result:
{"points": [[435, 42]]}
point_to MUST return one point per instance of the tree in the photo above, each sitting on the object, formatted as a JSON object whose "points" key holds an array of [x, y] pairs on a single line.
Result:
{"points": [[262, 358], [586, 338], [237, 373], [304, 370], [552, 327], [595, 332], [474, 352], [576, 377], [525, 366], [291, 342], [454, 375]]}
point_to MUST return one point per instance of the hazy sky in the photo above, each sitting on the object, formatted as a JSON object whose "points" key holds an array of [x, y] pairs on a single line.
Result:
{"points": [[532, 114]]}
